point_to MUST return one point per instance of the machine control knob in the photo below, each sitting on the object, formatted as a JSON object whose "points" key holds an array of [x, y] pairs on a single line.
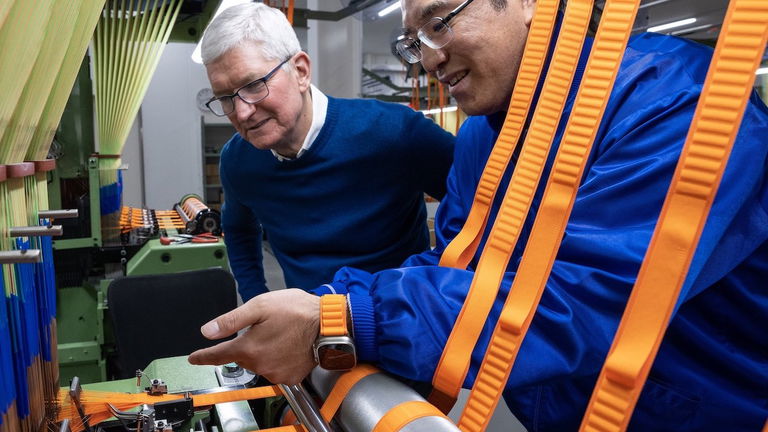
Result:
{"points": [[231, 370]]}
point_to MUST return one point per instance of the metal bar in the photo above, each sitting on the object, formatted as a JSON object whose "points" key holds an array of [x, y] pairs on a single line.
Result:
{"points": [[74, 393], [305, 409], [94, 192], [388, 83], [35, 231], [58, 214], [65, 426], [21, 256], [338, 15]]}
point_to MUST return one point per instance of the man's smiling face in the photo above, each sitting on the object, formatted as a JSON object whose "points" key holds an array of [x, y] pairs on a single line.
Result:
{"points": [[480, 64]]}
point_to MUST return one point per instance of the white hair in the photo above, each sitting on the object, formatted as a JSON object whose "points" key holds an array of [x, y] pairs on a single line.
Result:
{"points": [[254, 22]]}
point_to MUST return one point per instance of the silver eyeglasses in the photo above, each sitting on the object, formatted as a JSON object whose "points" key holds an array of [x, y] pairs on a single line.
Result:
{"points": [[435, 33], [251, 93]]}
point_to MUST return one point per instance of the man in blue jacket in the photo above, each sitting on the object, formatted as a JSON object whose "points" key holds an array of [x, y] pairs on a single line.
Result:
{"points": [[710, 372], [334, 182]]}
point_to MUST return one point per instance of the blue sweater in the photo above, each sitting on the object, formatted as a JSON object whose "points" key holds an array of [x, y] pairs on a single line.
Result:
{"points": [[711, 372], [356, 197]]}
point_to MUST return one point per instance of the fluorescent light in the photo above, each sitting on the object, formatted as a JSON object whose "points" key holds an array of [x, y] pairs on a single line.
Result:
{"points": [[674, 24], [225, 4], [389, 9], [437, 110], [762, 71]]}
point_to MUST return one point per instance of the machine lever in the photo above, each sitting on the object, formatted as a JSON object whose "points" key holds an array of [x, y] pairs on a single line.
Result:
{"points": [[58, 214], [305, 408], [74, 392], [23, 256], [35, 231]]}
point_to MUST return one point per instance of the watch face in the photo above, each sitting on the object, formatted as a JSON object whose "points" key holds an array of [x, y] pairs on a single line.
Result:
{"points": [[336, 353]]}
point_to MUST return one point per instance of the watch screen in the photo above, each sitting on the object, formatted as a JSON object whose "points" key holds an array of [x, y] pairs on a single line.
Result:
{"points": [[336, 357]]}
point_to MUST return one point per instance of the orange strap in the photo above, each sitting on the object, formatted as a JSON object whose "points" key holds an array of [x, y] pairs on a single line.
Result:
{"points": [[462, 248], [235, 395], [765, 428], [333, 315], [718, 116], [456, 357], [552, 218], [96, 403], [399, 416], [342, 388], [288, 428]]}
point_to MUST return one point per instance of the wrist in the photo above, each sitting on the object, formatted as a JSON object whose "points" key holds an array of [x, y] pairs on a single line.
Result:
{"points": [[334, 348]]}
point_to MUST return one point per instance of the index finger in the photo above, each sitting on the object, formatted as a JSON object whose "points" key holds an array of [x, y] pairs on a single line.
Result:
{"points": [[232, 321], [225, 352]]}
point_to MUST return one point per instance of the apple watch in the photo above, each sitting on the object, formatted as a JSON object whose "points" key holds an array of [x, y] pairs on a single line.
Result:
{"points": [[334, 349]]}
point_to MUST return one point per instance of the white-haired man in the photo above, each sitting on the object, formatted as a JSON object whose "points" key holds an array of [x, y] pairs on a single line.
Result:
{"points": [[334, 182]]}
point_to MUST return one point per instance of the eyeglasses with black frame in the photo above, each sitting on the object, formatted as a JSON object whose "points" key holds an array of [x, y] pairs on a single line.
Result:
{"points": [[435, 33], [251, 93]]}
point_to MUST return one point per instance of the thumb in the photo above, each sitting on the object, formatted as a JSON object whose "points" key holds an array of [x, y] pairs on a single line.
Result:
{"points": [[229, 323]]}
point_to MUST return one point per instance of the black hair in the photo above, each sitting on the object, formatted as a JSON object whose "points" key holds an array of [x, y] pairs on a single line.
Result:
{"points": [[499, 4]]}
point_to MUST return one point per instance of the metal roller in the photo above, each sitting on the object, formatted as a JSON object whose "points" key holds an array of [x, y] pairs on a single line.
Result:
{"points": [[198, 217], [371, 398], [305, 409]]}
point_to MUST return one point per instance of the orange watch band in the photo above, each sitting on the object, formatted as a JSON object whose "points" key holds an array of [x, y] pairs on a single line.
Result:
{"points": [[656, 292], [333, 315]]}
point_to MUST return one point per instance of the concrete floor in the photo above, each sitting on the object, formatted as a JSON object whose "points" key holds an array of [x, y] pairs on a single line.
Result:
{"points": [[503, 420]]}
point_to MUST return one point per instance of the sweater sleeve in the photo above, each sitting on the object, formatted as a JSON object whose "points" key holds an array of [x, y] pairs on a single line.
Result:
{"points": [[431, 148], [453, 208], [242, 236]]}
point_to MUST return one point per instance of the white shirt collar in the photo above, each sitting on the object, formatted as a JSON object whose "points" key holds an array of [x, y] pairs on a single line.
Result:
{"points": [[319, 111]]}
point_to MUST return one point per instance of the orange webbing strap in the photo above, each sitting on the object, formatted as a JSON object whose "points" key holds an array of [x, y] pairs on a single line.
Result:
{"points": [[552, 218], [399, 416], [333, 315], [288, 428], [342, 387], [235, 395], [456, 357], [697, 177], [462, 248]]}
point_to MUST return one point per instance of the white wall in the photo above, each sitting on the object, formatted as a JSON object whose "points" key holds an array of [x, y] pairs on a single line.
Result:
{"points": [[171, 132], [133, 177], [336, 50]]}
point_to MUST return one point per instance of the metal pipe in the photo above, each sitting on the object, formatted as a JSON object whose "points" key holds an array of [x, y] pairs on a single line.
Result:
{"points": [[35, 231], [371, 398], [65, 426], [305, 409], [338, 15], [21, 256], [58, 214]]}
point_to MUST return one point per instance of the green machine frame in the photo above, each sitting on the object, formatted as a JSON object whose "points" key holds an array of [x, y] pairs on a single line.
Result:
{"points": [[84, 333]]}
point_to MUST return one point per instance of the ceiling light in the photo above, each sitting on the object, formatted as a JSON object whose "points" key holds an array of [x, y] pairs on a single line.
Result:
{"points": [[762, 71], [389, 9], [674, 24], [225, 4], [437, 110]]}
